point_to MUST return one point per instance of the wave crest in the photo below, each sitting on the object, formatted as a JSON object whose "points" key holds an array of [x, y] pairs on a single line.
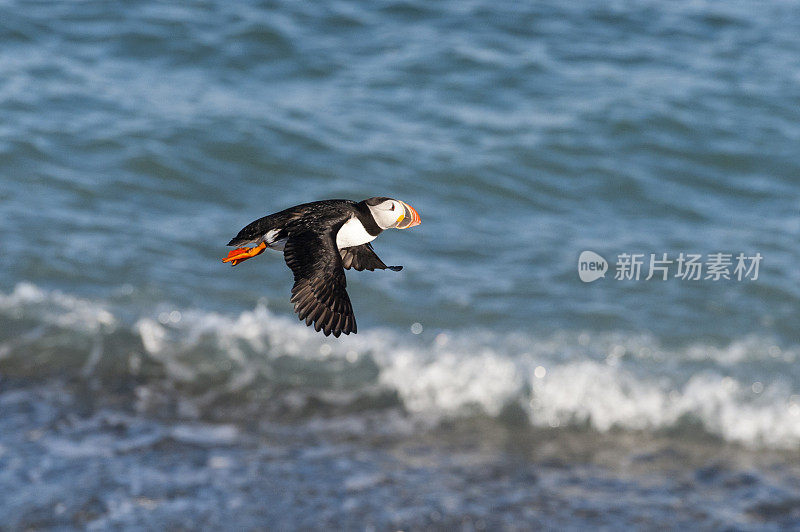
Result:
{"points": [[260, 364]]}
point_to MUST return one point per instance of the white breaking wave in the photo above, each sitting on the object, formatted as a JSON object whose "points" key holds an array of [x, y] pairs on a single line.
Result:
{"points": [[57, 308], [603, 393], [602, 380]]}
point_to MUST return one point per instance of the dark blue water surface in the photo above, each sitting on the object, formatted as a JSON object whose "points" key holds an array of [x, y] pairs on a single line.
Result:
{"points": [[137, 138]]}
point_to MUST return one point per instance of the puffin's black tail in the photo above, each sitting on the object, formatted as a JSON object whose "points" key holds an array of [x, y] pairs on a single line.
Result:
{"points": [[255, 232], [238, 240]]}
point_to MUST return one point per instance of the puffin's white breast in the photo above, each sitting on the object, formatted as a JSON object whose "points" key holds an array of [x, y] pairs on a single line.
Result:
{"points": [[352, 233]]}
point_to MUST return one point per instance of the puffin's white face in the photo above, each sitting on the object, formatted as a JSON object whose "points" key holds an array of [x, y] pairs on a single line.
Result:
{"points": [[392, 213], [387, 213]]}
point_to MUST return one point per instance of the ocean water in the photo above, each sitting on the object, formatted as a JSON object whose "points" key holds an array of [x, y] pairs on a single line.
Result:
{"points": [[143, 383]]}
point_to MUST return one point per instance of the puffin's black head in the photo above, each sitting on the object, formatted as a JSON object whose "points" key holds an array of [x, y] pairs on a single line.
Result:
{"points": [[388, 213]]}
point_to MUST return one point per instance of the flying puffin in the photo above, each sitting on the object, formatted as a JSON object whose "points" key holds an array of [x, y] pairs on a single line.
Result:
{"points": [[318, 240]]}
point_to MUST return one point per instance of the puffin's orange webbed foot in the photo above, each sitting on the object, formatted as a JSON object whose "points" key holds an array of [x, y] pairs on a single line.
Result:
{"points": [[236, 256]]}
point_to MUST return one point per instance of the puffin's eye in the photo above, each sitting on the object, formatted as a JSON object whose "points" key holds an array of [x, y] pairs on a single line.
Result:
{"points": [[392, 207]]}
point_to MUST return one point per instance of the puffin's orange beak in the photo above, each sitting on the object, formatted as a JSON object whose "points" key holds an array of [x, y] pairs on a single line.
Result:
{"points": [[410, 217]]}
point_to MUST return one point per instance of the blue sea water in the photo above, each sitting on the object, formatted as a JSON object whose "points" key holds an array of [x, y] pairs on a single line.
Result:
{"points": [[137, 138]]}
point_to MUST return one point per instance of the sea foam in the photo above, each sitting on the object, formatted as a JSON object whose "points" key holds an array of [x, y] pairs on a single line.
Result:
{"points": [[745, 391]]}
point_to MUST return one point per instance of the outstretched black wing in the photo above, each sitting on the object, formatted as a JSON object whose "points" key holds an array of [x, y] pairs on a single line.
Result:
{"points": [[362, 258], [319, 293]]}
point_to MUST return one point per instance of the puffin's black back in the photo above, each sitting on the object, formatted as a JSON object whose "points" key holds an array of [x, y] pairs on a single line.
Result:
{"points": [[317, 215]]}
